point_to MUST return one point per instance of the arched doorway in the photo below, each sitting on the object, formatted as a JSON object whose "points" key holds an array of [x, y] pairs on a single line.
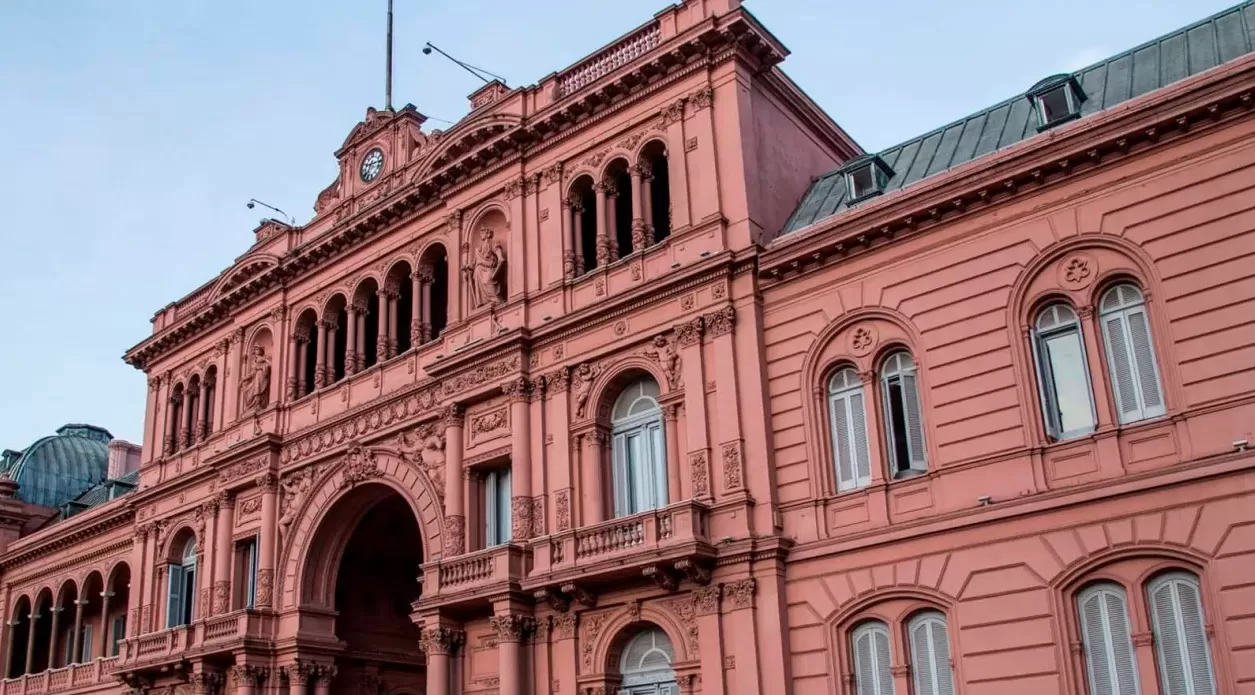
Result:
{"points": [[363, 564], [645, 667]]}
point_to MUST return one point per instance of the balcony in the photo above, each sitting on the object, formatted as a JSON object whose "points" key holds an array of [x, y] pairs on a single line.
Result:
{"points": [[471, 577], [221, 633], [98, 672], [664, 544]]}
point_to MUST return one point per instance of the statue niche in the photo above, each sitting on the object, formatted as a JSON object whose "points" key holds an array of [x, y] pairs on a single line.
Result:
{"points": [[487, 273], [255, 381]]}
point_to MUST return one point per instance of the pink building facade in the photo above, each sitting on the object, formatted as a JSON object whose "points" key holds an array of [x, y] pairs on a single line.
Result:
{"points": [[647, 379]]}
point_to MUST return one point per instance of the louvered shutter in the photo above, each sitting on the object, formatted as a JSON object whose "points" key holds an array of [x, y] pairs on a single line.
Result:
{"points": [[1109, 660], [941, 657], [837, 406], [1046, 390], [858, 425], [621, 480], [174, 596], [930, 655], [883, 676], [1125, 665], [865, 664], [1180, 637], [914, 421], [657, 465], [1120, 364], [1144, 362]]}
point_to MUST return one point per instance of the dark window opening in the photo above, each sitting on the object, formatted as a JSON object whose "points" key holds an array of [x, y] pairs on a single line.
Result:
{"points": [[439, 297], [659, 197], [405, 315], [588, 229], [371, 338], [341, 344], [863, 182], [1055, 104], [623, 214], [897, 420], [311, 363]]}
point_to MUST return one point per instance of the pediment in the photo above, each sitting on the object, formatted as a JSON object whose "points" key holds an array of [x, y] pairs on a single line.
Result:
{"points": [[245, 269], [466, 138], [376, 121]]}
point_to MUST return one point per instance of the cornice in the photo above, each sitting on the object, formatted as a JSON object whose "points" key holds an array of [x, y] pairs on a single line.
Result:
{"points": [[60, 537], [79, 559], [1101, 141], [699, 47]]}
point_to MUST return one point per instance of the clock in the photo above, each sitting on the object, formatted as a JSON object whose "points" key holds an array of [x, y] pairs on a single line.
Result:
{"points": [[372, 165]]}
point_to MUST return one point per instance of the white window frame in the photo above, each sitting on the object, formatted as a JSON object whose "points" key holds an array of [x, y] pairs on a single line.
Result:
{"points": [[180, 589], [497, 501], [1124, 311], [898, 368], [639, 461], [1106, 593], [938, 670], [1173, 581], [880, 680], [1047, 390], [638, 680], [850, 399], [1074, 107], [118, 626], [250, 577]]}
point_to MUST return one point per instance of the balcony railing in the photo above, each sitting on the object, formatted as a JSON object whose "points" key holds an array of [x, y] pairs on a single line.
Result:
{"points": [[629, 49], [207, 635], [494, 566], [666, 534], [99, 671]]}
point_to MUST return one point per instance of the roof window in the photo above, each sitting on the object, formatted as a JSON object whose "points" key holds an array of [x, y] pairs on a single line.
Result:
{"points": [[1056, 100], [865, 177]]}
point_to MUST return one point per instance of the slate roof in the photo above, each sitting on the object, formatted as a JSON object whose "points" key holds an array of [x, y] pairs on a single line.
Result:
{"points": [[57, 469], [1183, 53], [105, 491]]}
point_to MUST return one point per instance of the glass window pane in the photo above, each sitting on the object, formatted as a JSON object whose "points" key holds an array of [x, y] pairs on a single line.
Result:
{"points": [[1066, 359]]}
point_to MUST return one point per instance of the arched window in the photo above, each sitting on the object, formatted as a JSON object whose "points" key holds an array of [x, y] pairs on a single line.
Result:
{"points": [[1131, 354], [847, 416], [904, 422], [930, 654], [640, 467], [1110, 665], [646, 665], [181, 595], [872, 659], [1180, 635], [656, 190], [1062, 373]]}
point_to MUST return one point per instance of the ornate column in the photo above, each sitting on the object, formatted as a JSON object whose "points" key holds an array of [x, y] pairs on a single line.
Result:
{"points": [[323, 675], [575, 208], [30, 643], [519, 392], [350, 343], [591, 479], [391, 294], [296, 356], [52, 639], [455, 516], [172, 426], [8, 648], [329, 347], [189, 417], [511, 629], [638, 216], [416, 309], [671, 430], [426, 277], [206, 683], [138, 542], [739, 618], [647, 201], [439, 642], [708, 620], [222, 553], [603, 241], [612, 219], [103, 633], [202, 411], [688, 337], [360, 345], [320, 355], [76, 638], [248, 677], [381, 332], [266, 546], [300, 673]]}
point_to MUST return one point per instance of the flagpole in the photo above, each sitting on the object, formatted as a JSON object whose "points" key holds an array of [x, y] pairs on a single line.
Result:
{"points": [[388, 93]]}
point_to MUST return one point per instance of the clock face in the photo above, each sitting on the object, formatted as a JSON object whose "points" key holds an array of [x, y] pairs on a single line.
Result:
{"points": [[372, 165]]}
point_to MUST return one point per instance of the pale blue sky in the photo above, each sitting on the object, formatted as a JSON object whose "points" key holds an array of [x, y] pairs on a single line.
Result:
{"points": [[132, 133]]}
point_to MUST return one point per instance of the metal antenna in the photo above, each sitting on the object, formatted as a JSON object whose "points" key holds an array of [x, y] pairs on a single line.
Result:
{"points": [[388, 93], [427, 49]]}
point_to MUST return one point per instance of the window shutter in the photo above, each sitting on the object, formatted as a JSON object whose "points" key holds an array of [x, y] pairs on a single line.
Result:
{"points": [[621, 481], [1096, 640], [841, 442], [1180, 637], [865, 664], [119, 633], [914, 421], [505, 503], [1046, 389], [252, 574], [174, 596], [86, 655], [490, 510], [858, 423], [930, 655], [658, 463], [1121, 368], [1144, 361], [883, 676], [941, 657], [69, 649], [922, 660], [1109, 659]]}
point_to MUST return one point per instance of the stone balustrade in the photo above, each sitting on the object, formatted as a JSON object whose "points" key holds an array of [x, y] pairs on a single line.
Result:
{"points": [[218, 633], [496, 566], [97, 672]]}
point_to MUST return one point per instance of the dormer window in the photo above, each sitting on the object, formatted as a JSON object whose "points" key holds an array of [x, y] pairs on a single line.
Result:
{"points": [[1056, 100], [865, 177]]}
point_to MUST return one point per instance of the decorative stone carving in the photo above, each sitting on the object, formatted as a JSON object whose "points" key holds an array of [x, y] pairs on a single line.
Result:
{"points": [[863, 340], [293, 488], [583, 384], [538, 516], [512, 628], [359, 466], [686, 610], [666, 353], [222, 597], [673, 112], [1077, 271], [521, 518], [706, 600], [702, 98], [740, 594], [662, 577], [701, 475], [204, 683], [425, 448], [732, 479], [441, 640], [562, 502], [720, 322], [564, 625], [488, 271], [592, 628], [518, 389], [265, 587], [455, 535], [255, 381], [248, 466], [481, 374], [489, 422], [690, 333]]}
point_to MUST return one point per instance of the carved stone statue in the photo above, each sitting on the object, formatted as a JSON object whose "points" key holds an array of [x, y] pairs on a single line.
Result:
{"points": [[488, 273], [583, 384], [426, 448], [665, 352], [255, 383]]}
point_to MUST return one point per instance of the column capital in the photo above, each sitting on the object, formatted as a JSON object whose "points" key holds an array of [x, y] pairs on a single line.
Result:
{"points": [[512, 627], [518, 390], [250, 675], [82, 601], [441, 640], [453, 415], [268, 482]]}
